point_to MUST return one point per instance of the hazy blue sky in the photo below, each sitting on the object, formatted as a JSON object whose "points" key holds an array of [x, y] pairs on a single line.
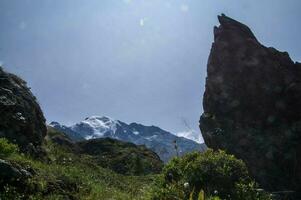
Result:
{"points": [[134, 60]]}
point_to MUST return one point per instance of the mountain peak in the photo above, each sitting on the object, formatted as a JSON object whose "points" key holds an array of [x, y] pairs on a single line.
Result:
{"points": [[101, 118], [96, 126], [100, 121], [155, 138], [54, 123], [232, 28]]}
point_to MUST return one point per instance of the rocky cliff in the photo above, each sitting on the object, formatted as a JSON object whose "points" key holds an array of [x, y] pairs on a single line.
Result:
{"points": [[252, 105], [21, 119]]}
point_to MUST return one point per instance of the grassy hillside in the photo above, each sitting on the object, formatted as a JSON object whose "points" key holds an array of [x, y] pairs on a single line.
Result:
{"points": [[67, 175], [122, 157], [73, 171]]}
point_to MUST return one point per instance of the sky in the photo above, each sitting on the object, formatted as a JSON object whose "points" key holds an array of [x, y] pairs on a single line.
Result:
{"points": [[133, 60]]}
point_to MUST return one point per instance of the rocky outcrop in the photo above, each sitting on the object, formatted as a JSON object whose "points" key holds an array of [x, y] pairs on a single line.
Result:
{"points": [[13, 174], [252, 105], [21, 119]]}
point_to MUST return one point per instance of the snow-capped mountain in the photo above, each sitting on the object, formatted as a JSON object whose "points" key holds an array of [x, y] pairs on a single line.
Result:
{"points": [[96, 127], [160, 141], [191, 135]]}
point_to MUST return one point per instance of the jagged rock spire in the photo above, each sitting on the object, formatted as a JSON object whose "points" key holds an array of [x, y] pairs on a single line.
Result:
{"points": [[252, 105]]}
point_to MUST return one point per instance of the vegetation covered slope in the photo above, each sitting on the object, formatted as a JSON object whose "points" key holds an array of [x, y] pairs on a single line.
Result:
{"points": [[67, 175], [121, 157], [64, 176]]}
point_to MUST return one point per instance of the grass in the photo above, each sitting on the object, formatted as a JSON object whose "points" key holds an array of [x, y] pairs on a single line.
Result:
{"points": [[66, 175], [70, 176]]}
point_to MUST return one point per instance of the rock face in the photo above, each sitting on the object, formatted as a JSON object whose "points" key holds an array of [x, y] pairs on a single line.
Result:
{"points": [[21, 119], [12, 174], [252, 106]]}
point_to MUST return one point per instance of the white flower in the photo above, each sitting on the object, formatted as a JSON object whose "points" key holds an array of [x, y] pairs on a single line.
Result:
{"points": [[186, 185]]}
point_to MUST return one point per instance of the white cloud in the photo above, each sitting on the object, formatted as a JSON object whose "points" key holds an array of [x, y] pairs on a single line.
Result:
{"points": [[192, 135]]}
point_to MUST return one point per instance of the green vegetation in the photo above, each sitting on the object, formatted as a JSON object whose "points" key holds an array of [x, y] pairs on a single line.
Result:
{"points": [[216, 173], [122, 157], [212, 175], [6, 148], [70, 176]]}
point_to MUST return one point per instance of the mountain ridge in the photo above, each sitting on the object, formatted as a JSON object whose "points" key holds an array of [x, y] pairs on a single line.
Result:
{"points": [[153, 137]]}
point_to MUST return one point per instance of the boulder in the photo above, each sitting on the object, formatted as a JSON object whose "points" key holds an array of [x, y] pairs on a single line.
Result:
{"points": [[12, 174], [21, 120]]}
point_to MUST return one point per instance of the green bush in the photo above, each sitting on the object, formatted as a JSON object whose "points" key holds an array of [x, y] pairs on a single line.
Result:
{"points": [[215, 172], [6, 148], [249, 192]]}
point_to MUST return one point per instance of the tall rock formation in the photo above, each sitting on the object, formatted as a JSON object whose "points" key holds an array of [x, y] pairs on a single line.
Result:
{"points": [[21, 118], [252, 105]]}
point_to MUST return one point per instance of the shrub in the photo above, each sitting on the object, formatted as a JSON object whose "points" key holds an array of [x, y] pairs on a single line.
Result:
{"points": [[215, 172], [249, 192], [6, 148]]}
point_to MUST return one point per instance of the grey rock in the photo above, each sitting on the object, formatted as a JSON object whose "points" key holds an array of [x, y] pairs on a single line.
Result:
{"points": [[252, 106], [12, 173], [21, 120]]}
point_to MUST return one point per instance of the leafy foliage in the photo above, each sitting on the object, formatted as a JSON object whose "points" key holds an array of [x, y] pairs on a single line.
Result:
{"points": [[248, 192], [6, 148], [215, 172]]}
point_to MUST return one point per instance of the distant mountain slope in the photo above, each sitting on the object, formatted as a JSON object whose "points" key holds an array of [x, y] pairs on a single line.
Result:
{"points": [[122, 157], [68, 131], [160, 141]]}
